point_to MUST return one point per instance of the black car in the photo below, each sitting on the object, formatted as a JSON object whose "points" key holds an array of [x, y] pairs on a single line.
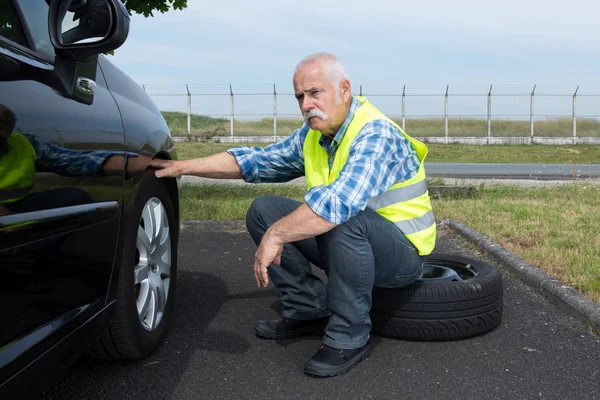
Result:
{"points": [[88, 235]]}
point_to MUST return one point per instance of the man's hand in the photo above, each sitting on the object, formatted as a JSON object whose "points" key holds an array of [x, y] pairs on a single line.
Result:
{"points": [[301, 224], [269, 251], [4, 210], [165, 168], [137, 165]]}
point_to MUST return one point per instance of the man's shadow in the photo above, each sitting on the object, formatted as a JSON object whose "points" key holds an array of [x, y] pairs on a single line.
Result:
{"points": [[200, 297]]}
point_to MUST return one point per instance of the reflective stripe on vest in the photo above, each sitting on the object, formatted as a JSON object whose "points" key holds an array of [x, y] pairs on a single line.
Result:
{"points": [[397, 195], [414, 225], [406, 204], [17, 169]]}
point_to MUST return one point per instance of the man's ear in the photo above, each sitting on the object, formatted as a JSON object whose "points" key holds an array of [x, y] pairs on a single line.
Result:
{"points": [[345, 90]]}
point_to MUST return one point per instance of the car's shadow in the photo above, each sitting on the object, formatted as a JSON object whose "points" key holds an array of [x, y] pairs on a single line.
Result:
{"points": [[200, 297]]}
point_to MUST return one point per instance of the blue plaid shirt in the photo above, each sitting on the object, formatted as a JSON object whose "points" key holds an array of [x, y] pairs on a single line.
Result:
{"points": [[66, 162], [379, 157]]}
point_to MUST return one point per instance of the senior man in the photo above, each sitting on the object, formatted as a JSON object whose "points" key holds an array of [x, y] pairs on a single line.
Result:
{"points": [[366, 219]]}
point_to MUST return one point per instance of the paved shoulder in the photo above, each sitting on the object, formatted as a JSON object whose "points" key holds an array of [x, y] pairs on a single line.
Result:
{"points": [[212, 353]]}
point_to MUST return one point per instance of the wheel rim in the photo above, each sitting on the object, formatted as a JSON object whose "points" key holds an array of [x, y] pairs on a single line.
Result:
{"points": [[152, 273], [441, 271]]}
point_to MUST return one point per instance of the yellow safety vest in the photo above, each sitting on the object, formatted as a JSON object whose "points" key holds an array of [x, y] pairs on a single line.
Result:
{"points": [[406, 204], [17, 169]]}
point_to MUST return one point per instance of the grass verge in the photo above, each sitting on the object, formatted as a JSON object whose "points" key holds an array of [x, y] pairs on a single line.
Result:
{"points": [[554, 228], [222, 202]]}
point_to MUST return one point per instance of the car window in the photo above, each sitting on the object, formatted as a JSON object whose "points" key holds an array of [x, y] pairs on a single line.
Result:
{"points": [[35, 13], [9, 26]]}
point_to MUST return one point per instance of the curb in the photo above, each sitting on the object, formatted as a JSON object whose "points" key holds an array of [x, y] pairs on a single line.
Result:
{"points": [[558, 293]]}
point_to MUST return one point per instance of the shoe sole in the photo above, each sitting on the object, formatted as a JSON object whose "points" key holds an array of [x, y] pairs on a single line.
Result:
{"points": [[324, 372], [304, 332]]}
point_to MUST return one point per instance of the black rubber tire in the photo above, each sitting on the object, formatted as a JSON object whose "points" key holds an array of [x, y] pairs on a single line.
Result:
{"points": [[124, 337], [441, 311]]}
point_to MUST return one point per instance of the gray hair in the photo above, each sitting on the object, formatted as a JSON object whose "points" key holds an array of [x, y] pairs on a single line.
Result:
{"points": [[332, 67]]}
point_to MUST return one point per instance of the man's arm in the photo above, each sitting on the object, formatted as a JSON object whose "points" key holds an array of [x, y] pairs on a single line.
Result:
{"points": [[219, 166], [278, 162], [71, 163], [301, 224]]}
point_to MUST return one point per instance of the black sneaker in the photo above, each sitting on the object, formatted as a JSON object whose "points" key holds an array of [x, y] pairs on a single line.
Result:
{"points": [[285, 328], [331, 362]]}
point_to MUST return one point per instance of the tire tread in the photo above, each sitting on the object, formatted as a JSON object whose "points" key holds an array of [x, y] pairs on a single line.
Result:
{"points": [[447, 311]]}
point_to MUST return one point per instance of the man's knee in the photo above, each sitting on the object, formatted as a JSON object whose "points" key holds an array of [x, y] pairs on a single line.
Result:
{"points": [[254, 214], [266, 210], [354, 227]]}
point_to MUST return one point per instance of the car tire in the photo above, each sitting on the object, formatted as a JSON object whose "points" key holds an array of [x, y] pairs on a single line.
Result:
{"points": [[134, 334], [454, 298]]}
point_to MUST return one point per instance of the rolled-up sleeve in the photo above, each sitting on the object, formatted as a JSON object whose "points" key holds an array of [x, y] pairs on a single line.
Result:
{"points": [[69, 162], [379, 157], [278, 162]]}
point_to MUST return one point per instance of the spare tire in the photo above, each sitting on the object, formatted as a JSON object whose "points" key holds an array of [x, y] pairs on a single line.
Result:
{"points": [[454, 298]]}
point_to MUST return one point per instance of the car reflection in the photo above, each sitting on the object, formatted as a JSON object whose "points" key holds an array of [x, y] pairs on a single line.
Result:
{"points": [[22, 156]]}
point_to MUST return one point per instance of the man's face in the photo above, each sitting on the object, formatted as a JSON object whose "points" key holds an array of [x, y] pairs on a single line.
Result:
{"points": [[7, 123], [321, 107]]}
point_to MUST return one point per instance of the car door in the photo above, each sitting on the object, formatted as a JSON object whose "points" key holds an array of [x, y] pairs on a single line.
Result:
{"points": [[59, 230]]}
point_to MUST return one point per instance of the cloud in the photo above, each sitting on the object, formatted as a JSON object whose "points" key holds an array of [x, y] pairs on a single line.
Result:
{"points": [[338, 22]]}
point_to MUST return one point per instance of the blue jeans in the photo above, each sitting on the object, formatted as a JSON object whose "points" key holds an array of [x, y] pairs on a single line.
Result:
{"points": [[366, 251]]}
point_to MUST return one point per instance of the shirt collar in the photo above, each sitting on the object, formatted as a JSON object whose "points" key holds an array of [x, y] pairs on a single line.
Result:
{"points": [[337, 139]]}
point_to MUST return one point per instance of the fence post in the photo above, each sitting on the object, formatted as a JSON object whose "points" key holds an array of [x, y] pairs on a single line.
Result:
{"points": [[404, 108], [575, 115], [446, 114], [531, 123], [189, 113], [231, 110], [274, 113], [489, 116], [360, 92]]}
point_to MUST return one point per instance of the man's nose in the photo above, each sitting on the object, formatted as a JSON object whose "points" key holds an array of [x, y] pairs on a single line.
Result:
{"points": [[306, 105]]}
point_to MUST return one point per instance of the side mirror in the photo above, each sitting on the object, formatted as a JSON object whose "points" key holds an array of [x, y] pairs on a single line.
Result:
{"points": [[82, 29], [79, 30]]}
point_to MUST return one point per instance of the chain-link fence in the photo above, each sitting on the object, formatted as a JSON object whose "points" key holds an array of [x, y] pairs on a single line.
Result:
{"points": [[209, 111]]}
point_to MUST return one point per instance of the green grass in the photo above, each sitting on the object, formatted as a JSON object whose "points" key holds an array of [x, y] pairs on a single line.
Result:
{"points": [[228, 202], [555, 228], [207, 127], [528, 154]]}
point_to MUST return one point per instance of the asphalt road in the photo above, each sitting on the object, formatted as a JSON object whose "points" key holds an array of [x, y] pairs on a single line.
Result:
{"points": [[513, 171], [212, 353]]}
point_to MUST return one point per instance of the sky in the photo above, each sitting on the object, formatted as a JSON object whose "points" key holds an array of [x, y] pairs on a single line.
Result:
{"points": [[385, 46]]}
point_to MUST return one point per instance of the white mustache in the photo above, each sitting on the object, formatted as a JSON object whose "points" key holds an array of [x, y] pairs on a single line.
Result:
{"points": [[315, 113]]}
